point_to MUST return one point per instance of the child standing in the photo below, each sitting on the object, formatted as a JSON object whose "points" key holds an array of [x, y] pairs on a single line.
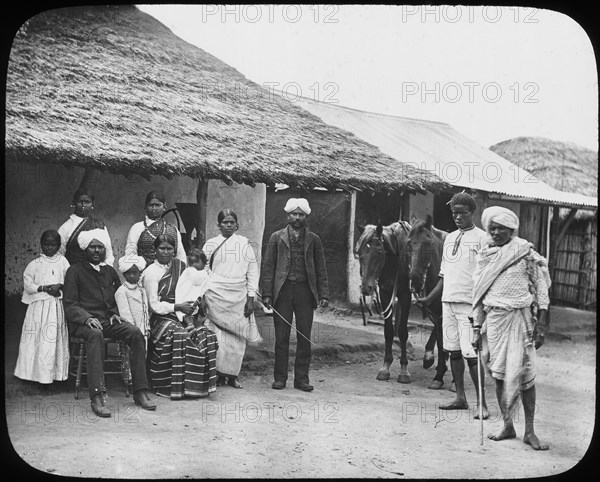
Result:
{"points": [[191, 286], [44, 347], [131, 298]]}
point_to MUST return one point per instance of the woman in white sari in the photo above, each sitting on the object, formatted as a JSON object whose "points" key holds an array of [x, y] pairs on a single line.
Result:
{"points": [[229, 298]]}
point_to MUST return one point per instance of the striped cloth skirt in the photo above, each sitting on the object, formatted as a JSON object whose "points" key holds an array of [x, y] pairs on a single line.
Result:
{"points": [[183, 360]]}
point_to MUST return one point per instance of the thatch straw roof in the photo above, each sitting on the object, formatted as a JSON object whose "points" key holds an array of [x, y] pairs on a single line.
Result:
{"points": [[564, 165], [113, 88]]}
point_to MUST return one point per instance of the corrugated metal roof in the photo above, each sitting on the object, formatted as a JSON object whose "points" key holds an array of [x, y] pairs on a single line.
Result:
{"points": [[439, 148]]}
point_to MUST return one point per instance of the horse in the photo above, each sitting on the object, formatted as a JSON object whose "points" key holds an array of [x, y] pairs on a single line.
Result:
{"points": [[425, 244], [384, 270]]}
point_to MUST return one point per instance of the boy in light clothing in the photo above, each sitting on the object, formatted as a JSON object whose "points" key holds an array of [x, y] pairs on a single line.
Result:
{"points": [[131, 297]]}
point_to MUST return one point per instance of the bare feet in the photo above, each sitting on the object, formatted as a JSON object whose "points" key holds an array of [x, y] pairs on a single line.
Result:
{"points": [[456, 404], [531, 439], [485, 413], [508, 431]]}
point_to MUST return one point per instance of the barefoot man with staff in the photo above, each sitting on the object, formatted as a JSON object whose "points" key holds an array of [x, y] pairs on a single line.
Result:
{"points": [[510, 303]]}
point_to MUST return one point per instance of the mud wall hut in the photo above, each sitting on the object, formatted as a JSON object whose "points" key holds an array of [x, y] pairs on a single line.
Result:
{"points": [[110, 97]]}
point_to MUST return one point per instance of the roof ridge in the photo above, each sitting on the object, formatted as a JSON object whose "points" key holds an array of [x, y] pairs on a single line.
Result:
{"points": [[344, 107]]}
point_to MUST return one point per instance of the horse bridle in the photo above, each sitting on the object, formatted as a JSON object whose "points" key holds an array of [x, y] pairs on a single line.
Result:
{"points": [[385, 313]]}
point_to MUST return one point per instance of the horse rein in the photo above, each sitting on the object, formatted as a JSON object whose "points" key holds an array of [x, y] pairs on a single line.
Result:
{"points": [[377, 298]]}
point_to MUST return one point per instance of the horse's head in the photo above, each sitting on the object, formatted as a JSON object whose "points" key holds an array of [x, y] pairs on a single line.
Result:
{"points": [[370, 251], [372, 247], [423, 249]]}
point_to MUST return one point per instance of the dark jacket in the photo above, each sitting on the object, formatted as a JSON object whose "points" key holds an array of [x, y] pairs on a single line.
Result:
{"points": [[276, 265], [89, 293]]}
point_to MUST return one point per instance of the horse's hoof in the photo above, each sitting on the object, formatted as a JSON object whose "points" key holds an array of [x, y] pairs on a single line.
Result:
{"points": [[436, 385], [428, 359], [403, 378], [383, 376], [453, 387]]}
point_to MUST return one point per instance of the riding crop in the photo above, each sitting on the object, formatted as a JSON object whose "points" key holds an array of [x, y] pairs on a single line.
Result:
{"points": [[281, 316]]}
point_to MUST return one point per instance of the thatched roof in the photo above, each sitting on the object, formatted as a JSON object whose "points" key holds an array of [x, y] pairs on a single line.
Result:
{"points": [[565, 166], [113, 88]]}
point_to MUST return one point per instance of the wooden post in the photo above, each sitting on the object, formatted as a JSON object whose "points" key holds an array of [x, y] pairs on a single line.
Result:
{"points": [[568, 222], [481, 199], [353, 266], [201, 201], [404, 214], [554, 225]]}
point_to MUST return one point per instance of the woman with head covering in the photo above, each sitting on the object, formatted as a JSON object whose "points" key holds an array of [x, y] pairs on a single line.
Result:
{"points": [[510, 303], [229, 298], [81, 220], [182, 359], [141, 237]]}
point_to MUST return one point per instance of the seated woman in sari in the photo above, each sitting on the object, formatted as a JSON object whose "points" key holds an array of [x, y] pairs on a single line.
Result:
{"points": [[141, 237], [182, 360], [229, 298], [81, 220]]}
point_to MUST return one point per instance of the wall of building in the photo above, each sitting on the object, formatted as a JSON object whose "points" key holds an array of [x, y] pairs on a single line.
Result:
{"points": [[38, 197], [421, 206], [247, 202]]}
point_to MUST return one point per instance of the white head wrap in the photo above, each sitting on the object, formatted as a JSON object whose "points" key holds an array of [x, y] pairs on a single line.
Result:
{"points": [[130, 260], [500, 215], [295, 203], [85, 238]]}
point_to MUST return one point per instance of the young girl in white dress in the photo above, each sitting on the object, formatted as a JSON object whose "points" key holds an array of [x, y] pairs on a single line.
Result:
{"points": [[44, 347], [191, 286]]}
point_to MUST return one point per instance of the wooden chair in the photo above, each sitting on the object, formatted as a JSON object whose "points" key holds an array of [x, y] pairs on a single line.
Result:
{"points": [[113, 365]]}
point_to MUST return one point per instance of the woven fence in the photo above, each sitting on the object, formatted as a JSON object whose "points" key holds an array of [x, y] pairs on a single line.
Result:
{"points": [[575, 273]]}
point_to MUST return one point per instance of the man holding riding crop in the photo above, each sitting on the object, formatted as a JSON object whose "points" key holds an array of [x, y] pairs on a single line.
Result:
{"points": [[294, 281]]}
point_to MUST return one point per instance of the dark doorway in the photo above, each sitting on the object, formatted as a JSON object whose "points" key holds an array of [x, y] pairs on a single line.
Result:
{"points": [[442, 215], [329, 217]]}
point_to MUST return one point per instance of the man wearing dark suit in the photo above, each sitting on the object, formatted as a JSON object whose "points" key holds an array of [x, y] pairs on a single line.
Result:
{"points": [[92, 314], [294, 280]]}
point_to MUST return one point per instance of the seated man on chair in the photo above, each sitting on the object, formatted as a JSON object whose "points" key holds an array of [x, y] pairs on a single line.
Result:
{"points": [[91, 311]]}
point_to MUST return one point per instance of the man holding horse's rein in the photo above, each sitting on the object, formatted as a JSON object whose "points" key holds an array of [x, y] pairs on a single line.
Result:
{"points": [[456, 289]]}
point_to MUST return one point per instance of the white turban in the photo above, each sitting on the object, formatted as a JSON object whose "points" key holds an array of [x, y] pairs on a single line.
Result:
{"points": [[295, 203], [130, 260], [499, 215], [85, 238]]}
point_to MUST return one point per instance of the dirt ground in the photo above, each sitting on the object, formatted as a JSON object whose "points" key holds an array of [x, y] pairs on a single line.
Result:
{"points": [[351, 426]]}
